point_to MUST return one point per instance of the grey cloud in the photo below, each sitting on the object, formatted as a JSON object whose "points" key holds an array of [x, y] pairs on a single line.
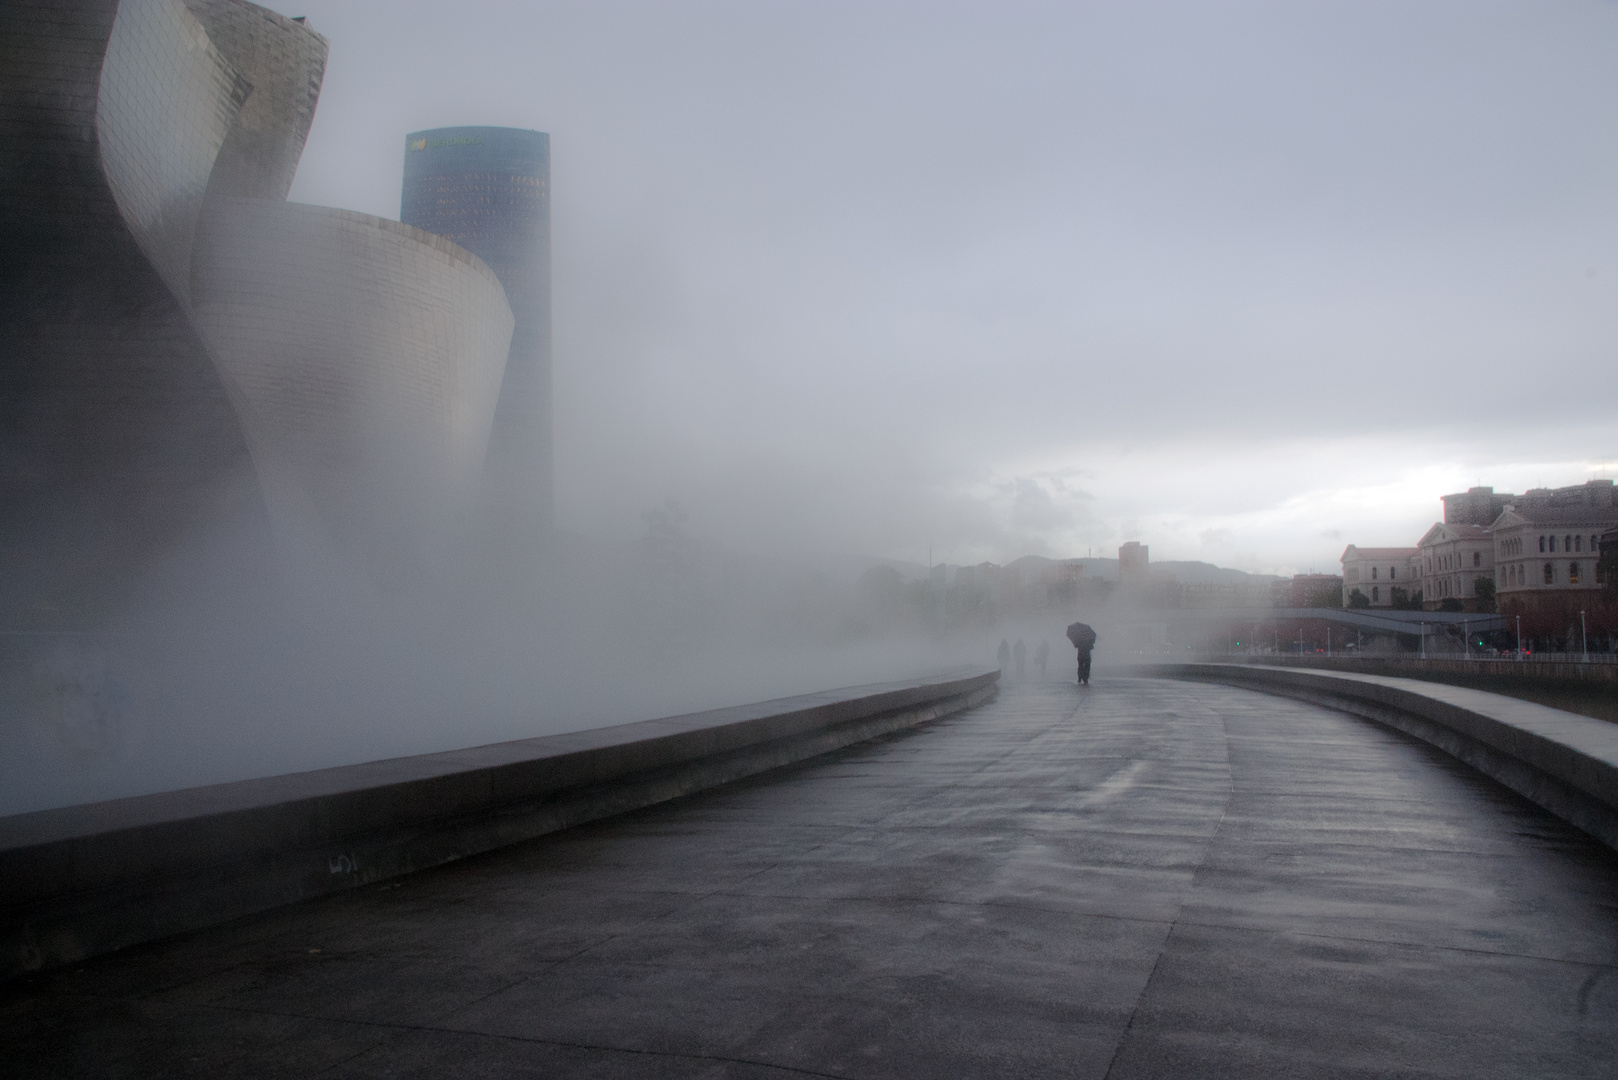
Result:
{"points": [[878, 251]]}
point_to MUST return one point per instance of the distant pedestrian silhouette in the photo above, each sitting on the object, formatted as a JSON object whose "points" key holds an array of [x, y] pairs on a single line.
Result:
{"points": [[1042, 654], [1019, 657], [1083, 639], [1005, 654]]}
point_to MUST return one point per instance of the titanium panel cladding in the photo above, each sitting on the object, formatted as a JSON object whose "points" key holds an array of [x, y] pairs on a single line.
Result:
{"points": [[117, 439], [366, 358], [488, 190]]}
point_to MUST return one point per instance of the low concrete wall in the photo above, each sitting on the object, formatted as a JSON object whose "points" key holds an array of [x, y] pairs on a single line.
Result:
{"points": [[1539, 671], [83, 880], [1564, 762]]}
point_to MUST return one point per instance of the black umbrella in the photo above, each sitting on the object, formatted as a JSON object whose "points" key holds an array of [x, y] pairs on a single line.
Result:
{"points": [[1082, 636]]}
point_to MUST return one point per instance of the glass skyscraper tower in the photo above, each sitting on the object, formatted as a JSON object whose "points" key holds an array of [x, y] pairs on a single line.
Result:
{"points": [[488, 189]]}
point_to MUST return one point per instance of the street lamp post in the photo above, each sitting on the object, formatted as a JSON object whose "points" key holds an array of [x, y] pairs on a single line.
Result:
{"points": [[1424, 641], [1466, 631], [1519, 637], [1584, 636]]}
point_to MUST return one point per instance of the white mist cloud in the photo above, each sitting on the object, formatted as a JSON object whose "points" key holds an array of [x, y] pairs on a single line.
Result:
{"points": [[871, 277]]}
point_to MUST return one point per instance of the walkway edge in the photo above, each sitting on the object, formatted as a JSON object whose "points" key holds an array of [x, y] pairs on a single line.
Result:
{"points": [[1564, 762], [84, 880]]}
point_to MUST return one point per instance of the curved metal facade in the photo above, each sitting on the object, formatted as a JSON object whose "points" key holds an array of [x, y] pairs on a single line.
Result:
{"points": [[489, 190], [116, 435], [365, 359], [284, 62], [136, 130], [165, 103]]}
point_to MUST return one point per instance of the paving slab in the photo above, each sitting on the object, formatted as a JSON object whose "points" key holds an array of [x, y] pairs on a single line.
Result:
{"points": [[1140, 878]]}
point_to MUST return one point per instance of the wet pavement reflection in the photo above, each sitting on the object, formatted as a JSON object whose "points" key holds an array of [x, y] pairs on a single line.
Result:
{"points": [[1139, 878]]}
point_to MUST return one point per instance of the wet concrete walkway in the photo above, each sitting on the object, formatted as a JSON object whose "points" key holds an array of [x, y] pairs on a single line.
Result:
{"points": [[1140, 879]]}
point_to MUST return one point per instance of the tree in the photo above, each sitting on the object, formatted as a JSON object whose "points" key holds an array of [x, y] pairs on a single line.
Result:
{"points": [[1607, 568], [1358, 600], [1403, 600], [1483, 589]]}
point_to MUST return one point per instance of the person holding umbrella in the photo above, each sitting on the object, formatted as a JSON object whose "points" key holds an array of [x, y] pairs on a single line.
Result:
{"points": [[1083, 639]]}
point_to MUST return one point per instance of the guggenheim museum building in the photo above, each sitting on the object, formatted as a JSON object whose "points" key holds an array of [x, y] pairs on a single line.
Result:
{"points": [[182, 345]]}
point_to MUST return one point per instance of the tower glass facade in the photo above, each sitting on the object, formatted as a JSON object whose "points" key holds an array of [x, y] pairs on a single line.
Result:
{"points": [[488, 190]]}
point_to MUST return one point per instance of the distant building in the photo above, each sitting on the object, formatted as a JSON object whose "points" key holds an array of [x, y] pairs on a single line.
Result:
{"points": [[1454, 558], [1257, 593], [1590, 495], [1481, 505], [1475, 506], [1062, 573], [488, 190], [1607, 568], [1462, 550], [1547, 555], [1375, 572], [1307, 590], [1133, 563], [1061, 583]]}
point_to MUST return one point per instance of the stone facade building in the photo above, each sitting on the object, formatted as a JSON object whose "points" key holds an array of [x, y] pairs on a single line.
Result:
{"points": [[1374, 573], [1475, 506], [1455, 559], [1134, 562], [1307, 590], [1547, 561]]}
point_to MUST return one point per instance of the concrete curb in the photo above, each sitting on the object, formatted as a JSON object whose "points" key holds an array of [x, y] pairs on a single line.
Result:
{"points": [[1548, 672], [1566, 763], [83, 880]]}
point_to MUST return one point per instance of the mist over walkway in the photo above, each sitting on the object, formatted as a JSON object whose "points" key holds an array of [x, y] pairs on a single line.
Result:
{"points": [[1142, 878]]}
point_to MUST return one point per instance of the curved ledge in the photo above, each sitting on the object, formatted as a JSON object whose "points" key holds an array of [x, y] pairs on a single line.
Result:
{"points": [[84, 880], [1566, 763]]}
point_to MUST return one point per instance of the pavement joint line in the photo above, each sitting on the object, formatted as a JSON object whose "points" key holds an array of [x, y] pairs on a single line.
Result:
{"points": [[1600, 965], [1228, 857], [441, 1030], [901, 901], [649, 1053], [546, 968], [1021, 744], [1586, 987], [1162, 950], [696, 898], [355, 1056], [1336, 845], [987, 828]]}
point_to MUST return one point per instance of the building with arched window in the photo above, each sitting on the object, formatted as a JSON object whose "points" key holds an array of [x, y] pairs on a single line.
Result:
{"points": [[1383, 577], [1457, 565], [1547, 558]]}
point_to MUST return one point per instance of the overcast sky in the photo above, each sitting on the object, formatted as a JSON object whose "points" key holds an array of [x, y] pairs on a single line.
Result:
{"points": [[1245, 282]]}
